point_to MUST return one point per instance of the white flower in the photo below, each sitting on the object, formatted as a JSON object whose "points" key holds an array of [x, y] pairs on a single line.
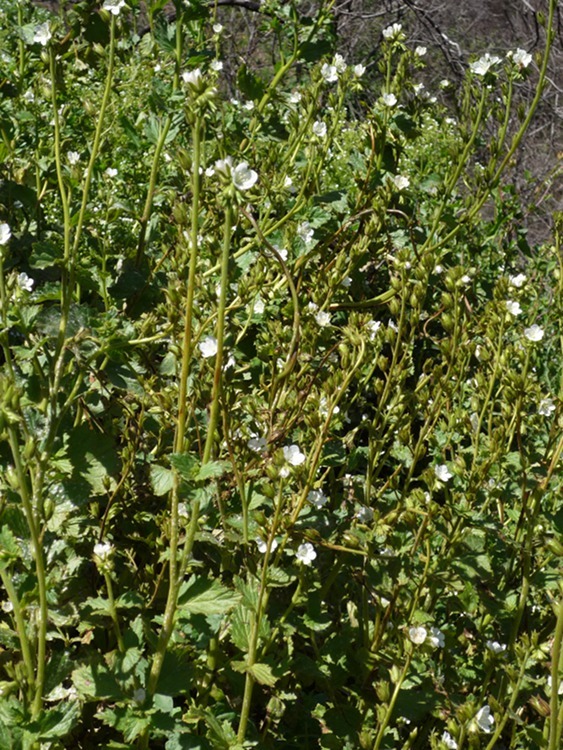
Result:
{"points": [[263, 546], [513, 307], [288, 182], [306, 232], [293, 455], [546, 407], [518, 280], [103, 551], [192, 77], [323, 407], [329, 73], [359, 70], [393, 32], [534, 333], [249, 105], [258, 307], [317, 498], [521, 58], [7, 607], [485, 719], [339, 63], [73, 157], [373, 327], [465, 279], [114, 6], [217, 28], [400, 181], [257, 444], [322, 318], [449, 741], [443, 473], [5, 234], [295, 97], [364, 514], [496, 647], [42, 34], [319, 129], [550, 683], [306, 553], [417, 635], [482, 66], [216, 65], [111, 172], [208, 346], [24, 282], [389, 100], [436, 638], [418, 88], [420, 51], [244, 177]]}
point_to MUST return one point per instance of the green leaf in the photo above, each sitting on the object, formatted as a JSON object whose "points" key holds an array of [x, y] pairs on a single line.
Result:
{"points": [[162, 479], [59, 721], [9, 547], [206, 597], [163, 703], [212, 470], [94, 682], [279, 577], [126, 719], [240, 628], [44, 255], [186, 464], [186, 742], [93, 457], [262, 673]]}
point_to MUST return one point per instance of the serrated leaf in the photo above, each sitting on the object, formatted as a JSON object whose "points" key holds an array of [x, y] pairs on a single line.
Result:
{"points": [[9, 548], [162, 479], [93, 457], [186, 464], [59, 721], [163, 703], [126, 720], [97, 605], [212, 469], [206, 597], [262, 673], [94, 681], [279, 577], [240, 629]]}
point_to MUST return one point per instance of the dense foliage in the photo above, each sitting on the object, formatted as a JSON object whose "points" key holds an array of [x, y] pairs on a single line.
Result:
{"points": [[280, 396]]}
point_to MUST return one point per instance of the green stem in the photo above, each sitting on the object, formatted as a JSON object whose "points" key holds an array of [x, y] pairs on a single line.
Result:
{"points": [[163, 135], [389, 712], [41, 650], [555, 726], [509, 711], [22, 633], [179, 437], [114, 616], [260, 609]]}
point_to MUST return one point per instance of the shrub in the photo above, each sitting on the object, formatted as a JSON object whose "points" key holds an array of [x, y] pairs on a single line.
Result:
{"points": [[280, 427]]}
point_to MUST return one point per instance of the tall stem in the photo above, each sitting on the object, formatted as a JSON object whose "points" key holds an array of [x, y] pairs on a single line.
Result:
{"points": [[41, 648]]}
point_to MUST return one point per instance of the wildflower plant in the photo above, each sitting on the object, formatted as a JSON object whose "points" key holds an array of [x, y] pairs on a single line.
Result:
{"points": [[280, 407]]}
